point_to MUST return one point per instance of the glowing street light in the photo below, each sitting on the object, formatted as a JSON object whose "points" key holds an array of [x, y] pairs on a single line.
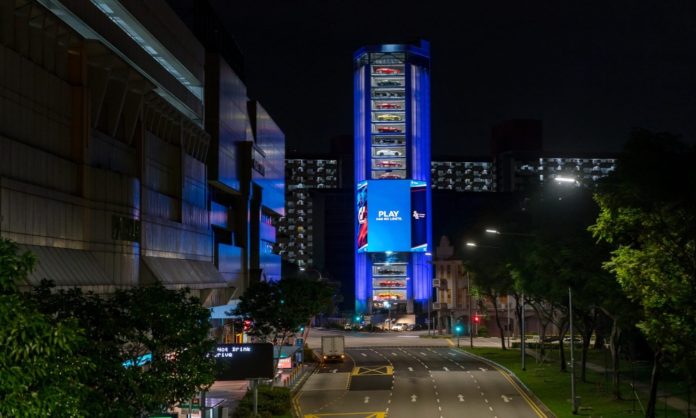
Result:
{"points": [[471, 244], [562, 179], [492, 231]]}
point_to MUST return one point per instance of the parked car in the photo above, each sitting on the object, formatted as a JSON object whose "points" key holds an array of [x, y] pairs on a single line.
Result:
{"points": [[387, 70], [389, 129], [388, 117], [390, 176], [397, 94], [396, 141], [395, 106], [387, 163], [389, 153], [387, 270], [402, 326], [389, 83]]}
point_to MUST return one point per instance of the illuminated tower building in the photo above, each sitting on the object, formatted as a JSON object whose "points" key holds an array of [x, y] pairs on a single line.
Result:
{"points": [[392, 177]]}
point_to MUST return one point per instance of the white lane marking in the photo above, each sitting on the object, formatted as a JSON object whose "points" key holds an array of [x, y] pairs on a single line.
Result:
{"points": [[413, 398], [389, 401], [491, 408], [461, 397], [481, 393], [393, 354], [439, 408], [437, 393], [451, 354], [483, 369], [425, 366], [367, 399], [485, 400], [505, 398], [423, 353], [410, 369], [478, 387], [438, 400], [334, 370], [363, 354], [445, 369]]}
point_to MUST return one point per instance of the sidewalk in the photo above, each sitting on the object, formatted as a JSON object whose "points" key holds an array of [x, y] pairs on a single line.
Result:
{"points": [[674, 402]]}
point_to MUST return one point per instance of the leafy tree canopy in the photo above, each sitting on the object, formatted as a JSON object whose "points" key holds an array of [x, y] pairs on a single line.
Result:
{"points": [[41, 369], [648, 214], [169, 327]]}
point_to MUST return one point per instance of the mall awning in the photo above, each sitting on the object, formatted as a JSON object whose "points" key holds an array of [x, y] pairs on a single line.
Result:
{"points": [[177, 273], [69, 268]]}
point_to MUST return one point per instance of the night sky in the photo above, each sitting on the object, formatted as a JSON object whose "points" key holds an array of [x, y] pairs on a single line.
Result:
{"points": [[591, 70]]}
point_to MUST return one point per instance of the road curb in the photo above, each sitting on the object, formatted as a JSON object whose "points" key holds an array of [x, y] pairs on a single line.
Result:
{"points": [[517, 380]]}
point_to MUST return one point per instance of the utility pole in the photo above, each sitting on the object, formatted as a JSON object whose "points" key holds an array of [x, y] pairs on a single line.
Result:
{"points": [[471, 320], [523, 336], [572, 358]]}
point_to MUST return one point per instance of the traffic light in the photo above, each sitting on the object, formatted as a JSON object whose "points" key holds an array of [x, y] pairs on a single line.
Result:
{"points": [[246, 325], [302, 328], [477, 319], [458, 328], [357, 318]]}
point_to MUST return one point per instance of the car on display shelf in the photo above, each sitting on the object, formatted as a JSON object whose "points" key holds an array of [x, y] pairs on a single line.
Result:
{"points": [[388, 106], [387, 163], [388, 117], [396, 141], [387, 70], [384, 129], [388, 296], [389, 94], [390, 176], [388, 270], [389, 83], [390, 283], [389, 153]]}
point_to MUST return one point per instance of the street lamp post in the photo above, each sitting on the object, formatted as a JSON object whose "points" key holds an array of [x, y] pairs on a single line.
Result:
{"points": [[574, 399]]}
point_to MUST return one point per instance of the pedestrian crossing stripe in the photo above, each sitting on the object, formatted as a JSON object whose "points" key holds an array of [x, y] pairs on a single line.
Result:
{"points": [[372, 371], [343, 414]]}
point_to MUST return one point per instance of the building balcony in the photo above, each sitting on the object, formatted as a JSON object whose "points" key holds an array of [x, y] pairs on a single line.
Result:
{"points": [[439, 306]]}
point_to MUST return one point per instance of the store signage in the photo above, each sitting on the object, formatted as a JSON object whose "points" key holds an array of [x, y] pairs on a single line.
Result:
{"points": [[243, 361]]}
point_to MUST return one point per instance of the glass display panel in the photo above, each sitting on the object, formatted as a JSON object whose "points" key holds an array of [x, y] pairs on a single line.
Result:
{"points": [[389, 175], [388, 140], [388, 116], [388, 105], [391, 163], [387, 94], [389, 270], [390, 82], [390, 283], [380, 295], [391, 128], [388, 151]]}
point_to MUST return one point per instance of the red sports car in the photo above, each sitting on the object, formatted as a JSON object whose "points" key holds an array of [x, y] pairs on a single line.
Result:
{"points": [[390, 283], [387, 70], [389, 176], [389, 129], [388, 106], [387, 163]]}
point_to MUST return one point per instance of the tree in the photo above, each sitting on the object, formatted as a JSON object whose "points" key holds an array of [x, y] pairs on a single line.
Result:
{"points": [[648, 214], [150, 346], [41, 369], [279, 309]]}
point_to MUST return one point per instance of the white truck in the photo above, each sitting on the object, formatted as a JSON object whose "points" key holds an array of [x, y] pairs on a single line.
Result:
{"points": [[332, 348]]}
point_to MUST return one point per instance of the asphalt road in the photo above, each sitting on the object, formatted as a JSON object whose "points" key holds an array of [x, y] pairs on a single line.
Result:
{"points": [[416, 381]]}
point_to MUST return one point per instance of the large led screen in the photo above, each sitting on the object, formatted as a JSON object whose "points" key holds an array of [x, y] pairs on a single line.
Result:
{"points": [[388, 218], [419, 217], [397, 219], [361, 206]]}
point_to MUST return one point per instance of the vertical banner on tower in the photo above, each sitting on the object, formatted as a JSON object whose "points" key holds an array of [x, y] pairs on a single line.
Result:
{"points": [[362, 216], [419, 216]]}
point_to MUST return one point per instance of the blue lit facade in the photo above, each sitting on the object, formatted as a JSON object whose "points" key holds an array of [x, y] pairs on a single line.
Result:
{"points": [[393, 227]]}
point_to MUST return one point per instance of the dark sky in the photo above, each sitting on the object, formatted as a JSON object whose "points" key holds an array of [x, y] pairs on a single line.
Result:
{"points": [[591, 70]]}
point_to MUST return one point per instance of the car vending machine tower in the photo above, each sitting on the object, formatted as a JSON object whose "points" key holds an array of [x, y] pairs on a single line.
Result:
{"points": [[392, 178]]}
